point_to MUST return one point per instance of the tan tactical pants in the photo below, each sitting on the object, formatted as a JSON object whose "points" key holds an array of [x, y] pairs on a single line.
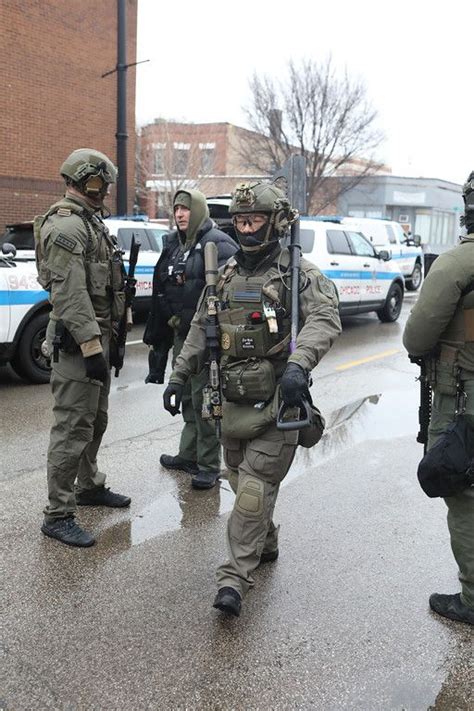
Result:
{"points": [[257, 467], [80, 420], [461, 506]]}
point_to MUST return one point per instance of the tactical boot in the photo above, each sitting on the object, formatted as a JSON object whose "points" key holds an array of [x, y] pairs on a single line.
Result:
{"points": [[177, 462], [268, 557], [229, 601], [100, 496], [451, 606], [205, 480], [67, 531]]}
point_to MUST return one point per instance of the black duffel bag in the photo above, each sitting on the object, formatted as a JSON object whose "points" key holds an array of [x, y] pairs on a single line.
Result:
{"points": [[448, 467]]}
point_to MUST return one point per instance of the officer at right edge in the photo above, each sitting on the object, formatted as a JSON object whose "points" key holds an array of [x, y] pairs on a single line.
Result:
{"points": [[441, 329]]}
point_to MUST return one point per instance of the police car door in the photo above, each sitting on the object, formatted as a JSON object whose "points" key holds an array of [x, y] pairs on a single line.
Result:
{"points": [[372, 272], [343, 268]]}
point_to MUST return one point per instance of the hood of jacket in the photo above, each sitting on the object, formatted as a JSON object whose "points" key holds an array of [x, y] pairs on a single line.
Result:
{"points": [[199, 213]]}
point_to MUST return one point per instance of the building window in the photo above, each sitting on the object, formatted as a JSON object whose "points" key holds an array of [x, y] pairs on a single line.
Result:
{"points": [[159, 158], [207, 151], [181, 158]]}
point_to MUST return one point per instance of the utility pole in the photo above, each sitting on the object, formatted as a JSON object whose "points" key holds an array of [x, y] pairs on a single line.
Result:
{"points": [[121, 134]]}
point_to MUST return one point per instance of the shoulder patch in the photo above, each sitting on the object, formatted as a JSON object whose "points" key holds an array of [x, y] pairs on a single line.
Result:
{"points": [[64, 212], [326, 286], [65, 242]]}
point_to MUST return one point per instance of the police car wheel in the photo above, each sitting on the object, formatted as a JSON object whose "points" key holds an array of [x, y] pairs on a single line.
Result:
{"points": [[30, 361], [393, 305], [414, 282]]}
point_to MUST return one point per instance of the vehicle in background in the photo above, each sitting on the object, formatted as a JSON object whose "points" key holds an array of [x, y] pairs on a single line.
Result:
{"points": [[24, 316], [366, 279], [389, 235], [150, 236]]}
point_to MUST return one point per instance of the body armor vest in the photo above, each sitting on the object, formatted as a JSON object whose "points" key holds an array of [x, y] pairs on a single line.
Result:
{"points": [[255, 331]]}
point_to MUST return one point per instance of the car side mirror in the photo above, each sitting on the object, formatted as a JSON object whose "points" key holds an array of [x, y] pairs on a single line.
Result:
{"points": [[416, 240], [384, 255], [9, 249]]}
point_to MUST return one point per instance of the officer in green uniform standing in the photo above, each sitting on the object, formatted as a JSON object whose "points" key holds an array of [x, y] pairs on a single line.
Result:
{"points": [[441, 329], [80, 265], [178, 281], [254, 321]]}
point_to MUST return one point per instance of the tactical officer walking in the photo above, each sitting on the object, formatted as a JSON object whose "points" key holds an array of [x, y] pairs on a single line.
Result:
{"points": [[254, 321], [177, 285], [441, 329], [81, 266]]}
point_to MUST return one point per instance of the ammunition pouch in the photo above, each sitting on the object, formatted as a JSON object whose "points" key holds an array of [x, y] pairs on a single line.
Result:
{"points": [[443, 371], [248, 381]]}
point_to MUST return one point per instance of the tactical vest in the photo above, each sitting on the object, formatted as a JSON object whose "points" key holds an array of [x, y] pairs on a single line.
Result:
{"points": [[254, 321], [95, 273]]}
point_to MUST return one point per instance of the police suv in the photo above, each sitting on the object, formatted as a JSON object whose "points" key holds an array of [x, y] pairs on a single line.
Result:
{"points": [[24, 306], [366, 279]]}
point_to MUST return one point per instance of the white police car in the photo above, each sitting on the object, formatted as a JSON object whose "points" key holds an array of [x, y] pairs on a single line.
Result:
{"points": [[24, 315], [365, 279]]}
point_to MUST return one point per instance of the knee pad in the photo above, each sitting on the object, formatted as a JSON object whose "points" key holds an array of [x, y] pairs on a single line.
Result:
{"points": [[250, 496]]}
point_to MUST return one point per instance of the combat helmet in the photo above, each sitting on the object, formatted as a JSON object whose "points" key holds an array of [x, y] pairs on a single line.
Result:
{"points": [[90, 171], [267, 199]]}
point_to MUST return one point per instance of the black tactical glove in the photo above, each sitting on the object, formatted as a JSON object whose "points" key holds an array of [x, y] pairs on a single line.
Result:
{"points": [[294, 385], [157, 366], [96, 367], [173, 389]]}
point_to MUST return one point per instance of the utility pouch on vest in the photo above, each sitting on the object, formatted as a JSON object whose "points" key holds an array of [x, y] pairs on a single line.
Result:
{"points": [[118, 295], [248, 381], [245, 341], [444, 375], [242, 421]]}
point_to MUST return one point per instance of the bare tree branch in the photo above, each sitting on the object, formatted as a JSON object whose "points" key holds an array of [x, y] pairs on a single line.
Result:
{"points": [[321, 114]]}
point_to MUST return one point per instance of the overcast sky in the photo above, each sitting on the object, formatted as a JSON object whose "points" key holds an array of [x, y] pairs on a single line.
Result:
{"points": [[415, 57]]}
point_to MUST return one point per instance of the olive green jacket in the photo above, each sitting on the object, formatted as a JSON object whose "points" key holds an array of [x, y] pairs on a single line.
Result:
{"points": [[319, 326], [79, 258], [444, 312]]}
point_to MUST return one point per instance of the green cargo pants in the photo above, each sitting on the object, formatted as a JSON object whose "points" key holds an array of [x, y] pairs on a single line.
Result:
{"points": [[257, 467], [198, 441], [80, 420], [461, 506]]}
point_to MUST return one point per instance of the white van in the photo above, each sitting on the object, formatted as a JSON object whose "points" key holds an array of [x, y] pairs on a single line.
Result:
{"points": [[389, 235], [366, 279]]}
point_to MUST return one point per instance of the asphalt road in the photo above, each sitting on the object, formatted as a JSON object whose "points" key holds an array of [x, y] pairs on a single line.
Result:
{"points": [[340, 621]]}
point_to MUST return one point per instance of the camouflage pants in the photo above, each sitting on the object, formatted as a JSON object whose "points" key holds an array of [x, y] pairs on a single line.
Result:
{"points": [[461, 506], [80, 420], [257, 467]]}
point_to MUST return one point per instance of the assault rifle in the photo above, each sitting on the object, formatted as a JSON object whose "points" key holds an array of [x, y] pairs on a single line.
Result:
{"points": [[212, 395], [424, 410], [305, 415], [126, 321]]}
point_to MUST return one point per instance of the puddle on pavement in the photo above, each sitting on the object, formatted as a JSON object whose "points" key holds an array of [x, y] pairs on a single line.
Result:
{"points": [[393, 414]]}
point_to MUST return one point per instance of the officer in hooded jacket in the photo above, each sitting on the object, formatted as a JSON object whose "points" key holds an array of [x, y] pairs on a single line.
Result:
{"points": [[80, 265], [254, 320], [177, 285], [441, 329]]}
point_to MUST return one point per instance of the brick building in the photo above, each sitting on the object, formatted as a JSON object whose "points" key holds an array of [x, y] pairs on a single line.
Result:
{"points": [[171, 155], [53, 99]]}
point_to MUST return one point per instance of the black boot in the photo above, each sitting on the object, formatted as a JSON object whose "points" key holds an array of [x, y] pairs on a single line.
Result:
{"points": [[229, 601], [268, 557], [205, 480], [452, 607], [67, 531], [177, 462], [100, 496]]}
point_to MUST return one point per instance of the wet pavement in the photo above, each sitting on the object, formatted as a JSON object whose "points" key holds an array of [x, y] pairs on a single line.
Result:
{"points": [[340, 621]]}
